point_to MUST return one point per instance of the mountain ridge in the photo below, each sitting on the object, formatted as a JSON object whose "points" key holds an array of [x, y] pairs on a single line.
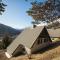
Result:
{"points": [[7, 29]]}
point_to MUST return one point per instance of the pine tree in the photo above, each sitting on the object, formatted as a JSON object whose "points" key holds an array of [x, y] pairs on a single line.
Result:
{"points": [[47, 11], [6, 40], [2, 7]]}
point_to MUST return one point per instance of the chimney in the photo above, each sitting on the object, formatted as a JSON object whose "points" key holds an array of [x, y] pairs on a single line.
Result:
{"points": [[34, 26]]}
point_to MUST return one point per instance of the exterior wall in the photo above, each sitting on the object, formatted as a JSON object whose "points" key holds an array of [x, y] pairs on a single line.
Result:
{"points": [[20, 50], [44, 37], [37, 47], [28, 51]]}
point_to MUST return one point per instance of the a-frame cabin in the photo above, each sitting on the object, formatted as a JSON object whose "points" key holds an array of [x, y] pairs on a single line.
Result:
{"points": [[29, 41]]}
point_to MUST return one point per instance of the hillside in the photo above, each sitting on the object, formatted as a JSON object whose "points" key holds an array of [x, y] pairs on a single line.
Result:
{"points": [[6, 29], [53, 53]]}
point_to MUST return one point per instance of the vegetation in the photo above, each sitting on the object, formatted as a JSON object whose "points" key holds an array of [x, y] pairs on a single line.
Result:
{"points": [[6, 41], [6, 29], [2, 7], [54, 25], [47, 11], [7, 37]]}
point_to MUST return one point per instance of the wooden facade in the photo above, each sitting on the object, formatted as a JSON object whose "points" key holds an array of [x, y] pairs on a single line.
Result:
{"points": [[42, 41]]}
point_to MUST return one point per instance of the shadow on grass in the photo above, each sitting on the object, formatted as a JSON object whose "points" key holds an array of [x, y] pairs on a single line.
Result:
{"points": [[51, 46], [18, 54]]}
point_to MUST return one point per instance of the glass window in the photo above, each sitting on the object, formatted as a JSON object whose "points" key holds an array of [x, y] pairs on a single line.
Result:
{"points": [[46, 39], [39, 41]]}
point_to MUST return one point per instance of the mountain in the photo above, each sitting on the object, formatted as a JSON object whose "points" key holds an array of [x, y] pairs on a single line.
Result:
{"points": [[6, 29]]}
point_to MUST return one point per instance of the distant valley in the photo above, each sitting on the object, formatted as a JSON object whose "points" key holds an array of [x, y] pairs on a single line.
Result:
{"points": [[6, 29]]}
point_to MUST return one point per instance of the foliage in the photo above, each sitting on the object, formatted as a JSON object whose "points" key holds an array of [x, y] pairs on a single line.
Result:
{"points": [[2, 7], [54, 25], [47, 11], [6, 41]]}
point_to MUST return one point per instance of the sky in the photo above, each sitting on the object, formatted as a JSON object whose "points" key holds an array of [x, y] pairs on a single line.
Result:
{"points": [[15, 14]]}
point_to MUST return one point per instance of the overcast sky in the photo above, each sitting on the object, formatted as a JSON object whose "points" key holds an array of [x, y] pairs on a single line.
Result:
{"points": [[15, 14]]}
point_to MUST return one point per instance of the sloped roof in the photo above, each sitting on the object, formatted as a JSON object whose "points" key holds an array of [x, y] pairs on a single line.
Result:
{"points": [[26, 38], [54, 32]]}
